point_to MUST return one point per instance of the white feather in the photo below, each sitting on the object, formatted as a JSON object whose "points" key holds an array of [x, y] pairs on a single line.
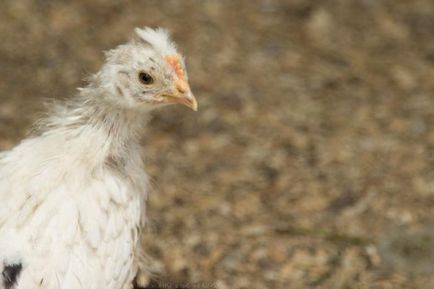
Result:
{"points": [[158, 38], [72, 196]]}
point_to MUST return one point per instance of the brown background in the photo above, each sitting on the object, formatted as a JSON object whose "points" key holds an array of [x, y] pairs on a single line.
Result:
{"points": [[310, 161]]}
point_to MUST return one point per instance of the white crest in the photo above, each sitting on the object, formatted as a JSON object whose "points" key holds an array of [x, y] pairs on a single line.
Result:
{"points": [[158, 38]]}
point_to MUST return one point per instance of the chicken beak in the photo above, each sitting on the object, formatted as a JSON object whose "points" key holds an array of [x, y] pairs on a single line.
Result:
{"points": [[182, 94], [191, 101]]}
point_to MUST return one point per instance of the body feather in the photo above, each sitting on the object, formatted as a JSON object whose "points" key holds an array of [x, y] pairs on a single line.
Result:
{"points": [[72, 195], [67, 212]]}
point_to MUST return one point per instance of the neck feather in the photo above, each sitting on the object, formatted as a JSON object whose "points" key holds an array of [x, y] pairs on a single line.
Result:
{"points": [[94, 125]]}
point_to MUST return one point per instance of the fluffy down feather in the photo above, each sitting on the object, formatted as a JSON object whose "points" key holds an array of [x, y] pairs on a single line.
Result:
{"points": [[72, 195]]}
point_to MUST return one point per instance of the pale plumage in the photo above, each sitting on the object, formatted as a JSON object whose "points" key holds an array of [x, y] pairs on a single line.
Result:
{"points": [[72, 195]]}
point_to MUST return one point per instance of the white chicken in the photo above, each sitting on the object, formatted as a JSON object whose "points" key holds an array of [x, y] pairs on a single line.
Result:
{"points": [[72, 196]]}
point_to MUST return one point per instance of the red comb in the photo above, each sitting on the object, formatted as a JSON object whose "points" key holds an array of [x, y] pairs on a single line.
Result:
{"points": [[173, 60]]}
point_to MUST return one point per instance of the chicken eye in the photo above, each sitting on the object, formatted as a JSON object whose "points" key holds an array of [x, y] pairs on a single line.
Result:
{"points": [[145, 78]]}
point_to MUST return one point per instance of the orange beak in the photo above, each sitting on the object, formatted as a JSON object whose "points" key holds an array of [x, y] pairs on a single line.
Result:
{"points": [[182, 94]]}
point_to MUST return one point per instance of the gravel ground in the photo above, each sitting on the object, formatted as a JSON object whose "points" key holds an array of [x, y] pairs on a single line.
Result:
{"points": [[310, 161]]}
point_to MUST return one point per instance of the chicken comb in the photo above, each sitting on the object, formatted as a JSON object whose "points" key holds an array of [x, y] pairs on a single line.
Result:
{"points": [[174, 62]]}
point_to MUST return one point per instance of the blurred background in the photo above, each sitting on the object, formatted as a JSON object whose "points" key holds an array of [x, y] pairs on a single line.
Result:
{"points": [[310, 161]]}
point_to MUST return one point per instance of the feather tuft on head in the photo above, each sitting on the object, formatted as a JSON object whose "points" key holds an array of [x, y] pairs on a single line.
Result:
{"points": [[158, 38]]}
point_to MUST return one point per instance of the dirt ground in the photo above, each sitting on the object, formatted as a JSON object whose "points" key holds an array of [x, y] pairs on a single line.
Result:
{"points": [[310, 161]]}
